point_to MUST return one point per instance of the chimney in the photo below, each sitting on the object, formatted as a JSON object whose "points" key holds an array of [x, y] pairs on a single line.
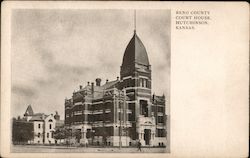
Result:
{"points": [[56, 116], [107, 80], [117, 78], [88, 83], [92, 87], [80, 86], [98, 82], [43, 117]]}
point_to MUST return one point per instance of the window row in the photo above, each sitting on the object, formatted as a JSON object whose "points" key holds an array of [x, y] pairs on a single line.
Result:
{"points": [[101, 117], [48, 134], [77, 112], [161, 132], [144, 83], [160, 119], [158, 108], [39, 126]]}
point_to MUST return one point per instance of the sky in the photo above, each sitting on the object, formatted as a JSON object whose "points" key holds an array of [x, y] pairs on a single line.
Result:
{"points": [[55, 51]]}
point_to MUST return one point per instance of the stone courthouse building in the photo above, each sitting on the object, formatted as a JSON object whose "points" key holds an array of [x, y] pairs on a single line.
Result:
{"points": [[123, 111]]}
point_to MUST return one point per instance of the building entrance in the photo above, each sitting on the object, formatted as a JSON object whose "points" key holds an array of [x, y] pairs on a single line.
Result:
{"points": [[147, 136]]}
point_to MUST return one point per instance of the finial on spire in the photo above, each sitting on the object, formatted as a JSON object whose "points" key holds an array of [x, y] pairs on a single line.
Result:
{"points": [[135, 21]]}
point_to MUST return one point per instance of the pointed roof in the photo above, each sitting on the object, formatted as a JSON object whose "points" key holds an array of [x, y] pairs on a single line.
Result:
{"points": [[29, 111], [135, 53]]}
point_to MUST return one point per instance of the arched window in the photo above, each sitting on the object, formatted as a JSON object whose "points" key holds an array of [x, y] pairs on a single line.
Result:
{"points": [[50, 120]]}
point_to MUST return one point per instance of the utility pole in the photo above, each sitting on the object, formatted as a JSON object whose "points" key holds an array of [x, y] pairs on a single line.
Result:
{"points": [[135, 20], [120, 118], [125, 114]]}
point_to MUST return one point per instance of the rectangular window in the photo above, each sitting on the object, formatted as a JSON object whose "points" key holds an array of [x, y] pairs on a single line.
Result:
{"points": [[50, 126], [39, 126], [38, 135], [120, 116], [160, 119], [153, 108], [141, 82], [130, 105], [47, 135], [161, 109], [130, 117], [161, 132], [126, 83]]}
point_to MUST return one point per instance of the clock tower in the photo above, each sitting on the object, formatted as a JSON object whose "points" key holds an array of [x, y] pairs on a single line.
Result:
{"points": [[136, 80]]}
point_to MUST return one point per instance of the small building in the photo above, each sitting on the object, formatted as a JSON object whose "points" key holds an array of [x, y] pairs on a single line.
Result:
{"points": [[44, 126]]}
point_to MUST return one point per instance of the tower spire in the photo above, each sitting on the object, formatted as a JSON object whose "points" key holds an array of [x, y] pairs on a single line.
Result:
{"points": [[135, 21]]}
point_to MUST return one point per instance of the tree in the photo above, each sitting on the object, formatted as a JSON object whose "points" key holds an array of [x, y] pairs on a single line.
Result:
{"points": [[22, 131], [61, 133], [77, 134], [67, 132]]}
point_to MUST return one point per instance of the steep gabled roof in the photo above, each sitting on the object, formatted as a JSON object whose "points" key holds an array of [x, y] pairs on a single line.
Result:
{"points": [[29, 111], [135, 53]]}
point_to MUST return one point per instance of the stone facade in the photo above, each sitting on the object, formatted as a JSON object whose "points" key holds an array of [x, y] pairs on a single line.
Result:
{"points": [[123, 111]]}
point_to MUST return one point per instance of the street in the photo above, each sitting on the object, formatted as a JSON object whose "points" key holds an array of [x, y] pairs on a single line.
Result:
{"points": [[64, 149]]}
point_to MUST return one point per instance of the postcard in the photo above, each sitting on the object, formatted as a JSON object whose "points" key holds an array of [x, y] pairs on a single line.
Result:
{"points": [[140, 79]]}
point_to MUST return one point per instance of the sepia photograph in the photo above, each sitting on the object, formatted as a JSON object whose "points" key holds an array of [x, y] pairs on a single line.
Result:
{"points": [[90, 81], [124, 79]]}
